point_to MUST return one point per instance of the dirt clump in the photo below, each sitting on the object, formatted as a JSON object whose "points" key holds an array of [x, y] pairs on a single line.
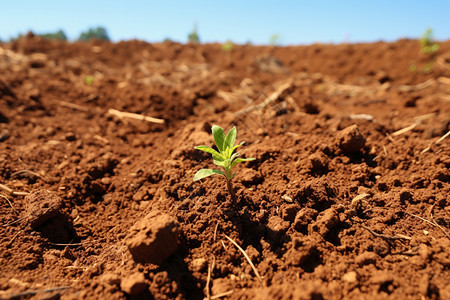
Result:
{"points": [[134, 284], [153, 238], [42, 205], [350, 139]]}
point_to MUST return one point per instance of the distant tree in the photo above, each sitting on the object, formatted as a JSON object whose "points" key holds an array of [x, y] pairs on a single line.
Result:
{"points": [[98, 33], [193, 36], [59, 35]]}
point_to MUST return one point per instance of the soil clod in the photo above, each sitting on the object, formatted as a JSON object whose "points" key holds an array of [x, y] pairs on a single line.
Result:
{"points": [[350, 139], [153, 238]]}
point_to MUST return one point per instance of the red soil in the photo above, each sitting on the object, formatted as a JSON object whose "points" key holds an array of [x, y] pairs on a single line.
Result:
{"points": [[338, 204]]}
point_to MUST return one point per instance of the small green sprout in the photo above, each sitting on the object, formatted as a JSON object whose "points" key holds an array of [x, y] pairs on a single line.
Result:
{"points": [[225, 157], [89, 80], [427, 42], [228, 46], [274, 39]]}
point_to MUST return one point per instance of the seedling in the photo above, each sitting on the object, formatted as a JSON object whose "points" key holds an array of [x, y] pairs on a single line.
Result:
{"points": [[274, 39], [89, 80], [225, 157], [427, 42], [228, 46]]}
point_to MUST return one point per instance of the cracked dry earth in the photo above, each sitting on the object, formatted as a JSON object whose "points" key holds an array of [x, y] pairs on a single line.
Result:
{"points": [[348, 197]]}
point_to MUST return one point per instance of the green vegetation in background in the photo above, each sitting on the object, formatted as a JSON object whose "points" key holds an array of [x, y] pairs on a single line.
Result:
{"points": [[58, 35], [428, 47], [193, 36], [228, 46], [98, 33], [427, 42], [274, 39]]}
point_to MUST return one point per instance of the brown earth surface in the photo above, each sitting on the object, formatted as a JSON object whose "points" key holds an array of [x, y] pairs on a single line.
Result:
{"points": [[348, 196]]}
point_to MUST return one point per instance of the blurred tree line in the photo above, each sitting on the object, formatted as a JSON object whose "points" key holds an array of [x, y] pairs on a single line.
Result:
{"points": [[98, 33]]}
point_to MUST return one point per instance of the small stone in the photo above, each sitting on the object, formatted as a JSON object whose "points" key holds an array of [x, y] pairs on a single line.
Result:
{"points": [[356, 201], [287, 198], [154, 238], [134, 284], [350, 277], [350, 139]]}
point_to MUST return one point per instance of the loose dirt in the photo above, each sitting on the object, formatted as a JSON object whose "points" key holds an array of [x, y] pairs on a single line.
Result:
{"points": [[348, 196]]}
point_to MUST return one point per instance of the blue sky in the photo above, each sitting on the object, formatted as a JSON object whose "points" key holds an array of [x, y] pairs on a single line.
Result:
{"points": [[297, 22]]}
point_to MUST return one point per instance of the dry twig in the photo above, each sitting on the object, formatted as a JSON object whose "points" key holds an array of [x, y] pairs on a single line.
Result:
{"points": [[274, 96], [121, 115], [73, 106], [417, 120], [11, 191], [13, 238], [387, 237], [247, 258], [18, 220], [431, 223], [437, 142], [9, 202], [404, 130], [420, 86], [34, 292], [208, 279], [224, 294], [26, 172], [215, 231]]}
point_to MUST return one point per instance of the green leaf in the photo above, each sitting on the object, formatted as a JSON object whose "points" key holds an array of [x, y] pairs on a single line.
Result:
{"points": [[239, 160], [219, 136], [235, 155], [205, 173], [216, 155], [234, 148], [221, 163], [230, 139]]}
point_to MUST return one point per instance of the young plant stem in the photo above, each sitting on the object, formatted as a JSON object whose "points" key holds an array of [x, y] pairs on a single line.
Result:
{"points": [[231, 191]]}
